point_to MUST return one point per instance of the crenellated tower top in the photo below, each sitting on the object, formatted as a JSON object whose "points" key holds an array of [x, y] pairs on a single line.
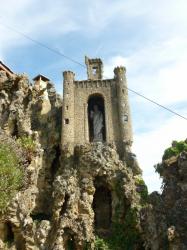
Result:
{"points": [[119, 71], [96, 109], [94, 68]]}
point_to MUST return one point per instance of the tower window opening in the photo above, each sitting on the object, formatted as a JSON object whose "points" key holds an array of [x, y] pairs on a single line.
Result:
{"points": [[67, 107], [96, 118], [125, 118], [94, 70], [66, 121]]}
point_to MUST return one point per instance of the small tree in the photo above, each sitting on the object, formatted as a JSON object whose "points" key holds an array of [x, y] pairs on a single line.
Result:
{"points": [[11, 170]]}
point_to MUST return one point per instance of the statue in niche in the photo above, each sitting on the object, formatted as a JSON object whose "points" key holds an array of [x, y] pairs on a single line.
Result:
{"points": [[97, 117]]}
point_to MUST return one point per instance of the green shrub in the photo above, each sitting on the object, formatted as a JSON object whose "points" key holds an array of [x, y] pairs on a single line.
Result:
{"points": [[100, 244], [11, 174], [28, 145], [142, 189], [125, 235], [176, 149]]}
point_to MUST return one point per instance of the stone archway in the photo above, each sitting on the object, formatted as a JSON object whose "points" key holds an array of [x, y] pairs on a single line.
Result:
{"points": [[96, 117]]}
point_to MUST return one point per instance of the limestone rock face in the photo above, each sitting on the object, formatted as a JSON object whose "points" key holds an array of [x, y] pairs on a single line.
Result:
{"points": [[165, 219], [68, 198], [25, 224], [71, 199], [76, 208]]}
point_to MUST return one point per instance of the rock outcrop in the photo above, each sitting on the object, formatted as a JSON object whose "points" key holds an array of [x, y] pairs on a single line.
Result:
{"points": [[91, 199], [22, 114], [164, 221], [69, 198]]}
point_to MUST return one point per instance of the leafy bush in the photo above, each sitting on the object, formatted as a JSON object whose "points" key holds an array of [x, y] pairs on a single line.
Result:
{"points": [[11, 174], [125, 235], [142, 189], [101, 244], [28, 145], [176, 149]]}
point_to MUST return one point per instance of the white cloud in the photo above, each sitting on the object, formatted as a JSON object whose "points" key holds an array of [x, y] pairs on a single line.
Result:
{"points": [[35, 19], [1, 55], [150, 146], [158, 72], [112, 63]]}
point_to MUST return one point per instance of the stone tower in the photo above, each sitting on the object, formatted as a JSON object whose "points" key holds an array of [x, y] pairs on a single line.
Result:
{"points": [[95, 187], [110, 95]]}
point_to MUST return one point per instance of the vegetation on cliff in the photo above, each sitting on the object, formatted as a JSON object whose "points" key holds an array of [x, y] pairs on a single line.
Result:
{"points": [[125, 234], [176, 148], [11, 174], [28, 145], [14, 156]]}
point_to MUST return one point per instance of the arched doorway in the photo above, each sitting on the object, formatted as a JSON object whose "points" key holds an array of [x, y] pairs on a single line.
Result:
{"points": [[96, 118], [102, 206]]}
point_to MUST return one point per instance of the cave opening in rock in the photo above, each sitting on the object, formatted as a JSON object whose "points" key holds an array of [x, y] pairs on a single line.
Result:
{"points": [[69, 239], [96, 118], [64, 206], [15, 129], [102, 206], [70, 244], [55, 163], [9, 234], [40, 216]]}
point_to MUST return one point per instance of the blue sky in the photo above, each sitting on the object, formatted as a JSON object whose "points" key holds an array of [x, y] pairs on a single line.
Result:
{"points": [[148, 37]]}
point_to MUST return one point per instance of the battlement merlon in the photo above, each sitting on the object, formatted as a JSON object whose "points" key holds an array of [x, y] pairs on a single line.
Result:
{"points": [[119, 72], [68, 76]]}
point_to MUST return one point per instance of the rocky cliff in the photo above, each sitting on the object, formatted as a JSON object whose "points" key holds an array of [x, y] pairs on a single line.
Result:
{"points": [[89, 200], [164, 220]]}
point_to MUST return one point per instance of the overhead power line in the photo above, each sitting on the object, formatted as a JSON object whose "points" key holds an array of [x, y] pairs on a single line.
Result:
{"points": [[82, 65], [156, 103], [41, 44]]}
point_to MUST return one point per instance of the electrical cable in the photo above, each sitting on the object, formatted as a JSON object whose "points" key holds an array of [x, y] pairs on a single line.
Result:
{"points": [[82, 65]]}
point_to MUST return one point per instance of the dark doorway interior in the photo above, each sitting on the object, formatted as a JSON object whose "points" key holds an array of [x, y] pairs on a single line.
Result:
{"points": [[69, 239], [65, 204], [97, 100], [9, 232], [102, 206]]}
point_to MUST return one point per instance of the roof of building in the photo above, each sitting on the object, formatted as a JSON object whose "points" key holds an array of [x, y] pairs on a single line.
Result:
{"points": [[6, 68], [44, 78]]}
